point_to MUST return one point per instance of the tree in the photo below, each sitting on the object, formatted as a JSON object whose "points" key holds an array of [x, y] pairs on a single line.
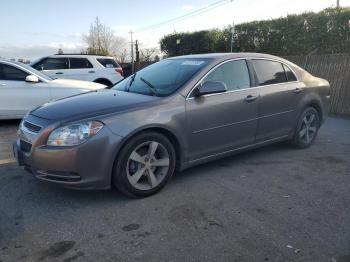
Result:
{"points": [[147, 54], [101, 40], [122, 55], [327, 31]]}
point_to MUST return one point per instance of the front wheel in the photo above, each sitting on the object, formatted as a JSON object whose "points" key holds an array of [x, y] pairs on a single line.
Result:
{"points": [[144, 165], [307, 128]]}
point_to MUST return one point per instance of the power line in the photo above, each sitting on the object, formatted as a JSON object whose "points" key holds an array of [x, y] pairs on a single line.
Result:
{"points": [[190, 14]]}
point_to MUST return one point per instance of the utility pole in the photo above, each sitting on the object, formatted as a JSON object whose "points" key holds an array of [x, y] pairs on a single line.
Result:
{"points": [[137, 52], [132, 53], [232, 32], [338, 4]]}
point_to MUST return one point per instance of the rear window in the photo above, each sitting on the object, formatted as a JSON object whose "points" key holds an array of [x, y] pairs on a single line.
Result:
{"points": [[290, 75], [269, 72], [108, 62], [79, 63]]}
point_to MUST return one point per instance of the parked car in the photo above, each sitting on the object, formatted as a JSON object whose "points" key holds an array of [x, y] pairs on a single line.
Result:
{"points": [[23, 88], [174, 114], [100, 69]]}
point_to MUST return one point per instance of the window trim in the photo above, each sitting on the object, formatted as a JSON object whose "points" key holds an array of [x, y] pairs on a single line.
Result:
{"points": [[199, 82], [274, 60]]}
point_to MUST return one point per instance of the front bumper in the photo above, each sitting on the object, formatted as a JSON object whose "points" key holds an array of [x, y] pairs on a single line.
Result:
{"points": [[86, 166]]}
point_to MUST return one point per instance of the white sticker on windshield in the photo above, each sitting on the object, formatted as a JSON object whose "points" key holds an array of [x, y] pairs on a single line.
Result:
{"points": [[192, 62]]}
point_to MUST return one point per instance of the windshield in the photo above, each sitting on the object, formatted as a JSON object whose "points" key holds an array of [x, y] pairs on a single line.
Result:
{"points": [[34, 71], [162, 78]]}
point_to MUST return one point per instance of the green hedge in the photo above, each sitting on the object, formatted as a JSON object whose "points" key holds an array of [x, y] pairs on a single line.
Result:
{"points": [[325, 32]]}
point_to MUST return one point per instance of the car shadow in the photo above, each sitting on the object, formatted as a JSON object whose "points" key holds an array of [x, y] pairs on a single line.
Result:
{"points": [[10, 123], [248, 157]]}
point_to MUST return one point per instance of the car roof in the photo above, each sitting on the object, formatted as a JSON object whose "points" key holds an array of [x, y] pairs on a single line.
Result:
{"points": [[228, 56], [82, 56], [10, 62]]}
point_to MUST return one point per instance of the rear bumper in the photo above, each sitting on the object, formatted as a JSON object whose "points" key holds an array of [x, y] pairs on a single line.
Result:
{"points": [[86, 166]]}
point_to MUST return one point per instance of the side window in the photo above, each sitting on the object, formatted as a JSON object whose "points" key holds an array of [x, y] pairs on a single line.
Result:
{"points": [[234, 75], [79, 63], [52, 64], [289, 73], [269, 72], [107, 62], [8, 72]]}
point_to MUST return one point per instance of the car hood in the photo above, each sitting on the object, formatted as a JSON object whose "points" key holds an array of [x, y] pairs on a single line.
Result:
{"points": [[92, 104], [77, 84]]}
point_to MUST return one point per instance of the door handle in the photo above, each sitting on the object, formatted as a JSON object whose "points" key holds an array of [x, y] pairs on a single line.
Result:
{"points": [[297, 91], [250, 98], [59, 73], [91, 71], [2, 84]]}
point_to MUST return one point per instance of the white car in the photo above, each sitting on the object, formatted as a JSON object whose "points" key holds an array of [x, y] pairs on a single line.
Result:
{"points": [[23, 88], [100, 69]]}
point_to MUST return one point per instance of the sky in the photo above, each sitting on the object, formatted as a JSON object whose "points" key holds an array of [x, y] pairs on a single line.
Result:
{"points": [[34, 28]]}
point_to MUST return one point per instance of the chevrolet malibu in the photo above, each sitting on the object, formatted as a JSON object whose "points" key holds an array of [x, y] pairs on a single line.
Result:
{"points": [[172, 115]]}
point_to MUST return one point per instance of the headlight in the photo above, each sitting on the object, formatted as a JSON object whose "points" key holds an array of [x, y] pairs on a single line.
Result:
{"points": [[74, 134]]}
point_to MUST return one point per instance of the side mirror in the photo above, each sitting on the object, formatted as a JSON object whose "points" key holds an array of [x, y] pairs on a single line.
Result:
{"points": [[32, 79], [211, 87]]}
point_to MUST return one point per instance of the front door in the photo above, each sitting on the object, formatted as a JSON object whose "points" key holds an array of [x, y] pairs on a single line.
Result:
{"points": [[224, 121], [17, 96], [55, 67]]}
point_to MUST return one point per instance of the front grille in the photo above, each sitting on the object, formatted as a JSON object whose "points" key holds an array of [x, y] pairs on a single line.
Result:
{"points": [[32, 127], [25, 146]]}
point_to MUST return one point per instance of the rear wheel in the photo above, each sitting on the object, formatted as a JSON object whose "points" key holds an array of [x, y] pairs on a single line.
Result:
{"points": [[144, 165], [307, 128]]}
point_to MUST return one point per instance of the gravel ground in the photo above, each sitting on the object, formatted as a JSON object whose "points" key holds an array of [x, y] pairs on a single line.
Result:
{"points": [[272, 204]]}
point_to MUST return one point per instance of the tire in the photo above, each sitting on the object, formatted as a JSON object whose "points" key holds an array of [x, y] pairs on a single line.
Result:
{"points": [[144, 165], [307, 128]]}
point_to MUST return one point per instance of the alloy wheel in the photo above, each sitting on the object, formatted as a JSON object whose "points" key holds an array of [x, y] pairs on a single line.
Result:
{"points": [[148, 165], [308, 128]]}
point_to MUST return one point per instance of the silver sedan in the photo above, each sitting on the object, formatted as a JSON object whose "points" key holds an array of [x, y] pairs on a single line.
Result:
{"points": [[23, 88]]}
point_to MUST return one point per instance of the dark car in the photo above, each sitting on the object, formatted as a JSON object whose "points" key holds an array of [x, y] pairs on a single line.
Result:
{"points": [[172, 115]]}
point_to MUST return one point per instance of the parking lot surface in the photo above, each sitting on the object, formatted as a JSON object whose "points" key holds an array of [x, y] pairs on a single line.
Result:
{"points": [[272, 204]]}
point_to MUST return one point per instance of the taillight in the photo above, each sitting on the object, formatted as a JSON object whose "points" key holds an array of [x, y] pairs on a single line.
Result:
{"points": [[120, 71]]}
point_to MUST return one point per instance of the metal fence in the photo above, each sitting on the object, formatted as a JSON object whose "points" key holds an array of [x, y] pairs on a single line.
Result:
{"points": [[336, 69]]}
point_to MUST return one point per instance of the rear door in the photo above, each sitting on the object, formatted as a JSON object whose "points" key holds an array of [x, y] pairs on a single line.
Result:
{"points": [[55, 67], [80, 69], [225, 121], [17, 96], [280, 93]]}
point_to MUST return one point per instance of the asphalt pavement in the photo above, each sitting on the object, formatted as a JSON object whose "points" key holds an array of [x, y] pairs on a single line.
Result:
{"points": [[275, 203]]}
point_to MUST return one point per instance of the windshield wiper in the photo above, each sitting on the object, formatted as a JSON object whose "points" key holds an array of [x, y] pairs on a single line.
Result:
{"points": [[130, 83], [151, 87]]}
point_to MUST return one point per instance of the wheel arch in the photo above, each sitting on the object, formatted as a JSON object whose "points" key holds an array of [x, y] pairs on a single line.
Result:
{"points": [[103, 81], [315, 101], [315, 104]]}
